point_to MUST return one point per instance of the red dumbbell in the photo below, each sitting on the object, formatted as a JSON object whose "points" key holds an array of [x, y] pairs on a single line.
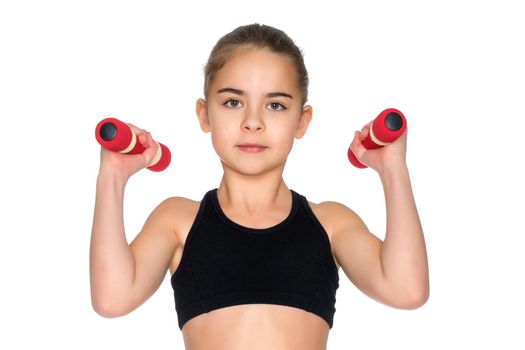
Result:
{"points": [[385, 129], [117, 136]]}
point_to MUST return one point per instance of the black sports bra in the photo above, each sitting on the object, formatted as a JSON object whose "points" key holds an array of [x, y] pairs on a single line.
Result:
{"points": [[225, 264]]}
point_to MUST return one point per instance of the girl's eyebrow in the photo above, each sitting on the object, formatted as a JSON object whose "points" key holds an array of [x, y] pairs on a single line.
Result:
{"points": [[241, 93], [232, 90], [279, 94]]}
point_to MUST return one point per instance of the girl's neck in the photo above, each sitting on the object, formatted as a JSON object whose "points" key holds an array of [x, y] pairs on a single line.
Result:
{"points": [[253, 194]]}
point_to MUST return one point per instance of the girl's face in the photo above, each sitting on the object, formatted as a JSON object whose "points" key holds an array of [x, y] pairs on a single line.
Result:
{"points": [[254, 111]]}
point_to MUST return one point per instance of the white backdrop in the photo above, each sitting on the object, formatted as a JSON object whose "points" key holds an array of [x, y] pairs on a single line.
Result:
{"points": [[455, 68]]}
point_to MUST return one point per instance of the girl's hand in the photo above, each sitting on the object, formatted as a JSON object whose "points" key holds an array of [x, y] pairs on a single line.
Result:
{"points": [[389, 156], [125, 165]]}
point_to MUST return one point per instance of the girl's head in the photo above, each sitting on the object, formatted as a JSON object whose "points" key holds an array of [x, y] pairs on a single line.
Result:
{"points": [[255, 93], [257, 36]]}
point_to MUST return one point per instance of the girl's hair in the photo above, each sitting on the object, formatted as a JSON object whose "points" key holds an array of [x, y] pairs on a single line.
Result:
{"points": [[259, 36]]}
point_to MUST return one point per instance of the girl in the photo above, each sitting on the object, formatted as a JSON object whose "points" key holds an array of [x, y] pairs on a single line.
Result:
{"points": [[254, 264]]}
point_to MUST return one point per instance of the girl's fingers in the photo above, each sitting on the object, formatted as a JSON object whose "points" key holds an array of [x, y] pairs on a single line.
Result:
{"points": [[150, 148], [140, 133], [357, 145], [145, 139], [365, 131]]}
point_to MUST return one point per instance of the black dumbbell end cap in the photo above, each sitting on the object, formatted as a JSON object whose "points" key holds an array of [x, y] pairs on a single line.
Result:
{"points": [[108, 131], [393, 121]]}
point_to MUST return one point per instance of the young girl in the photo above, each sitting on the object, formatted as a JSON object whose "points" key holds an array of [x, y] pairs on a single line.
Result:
{"points": [[255, 265]]}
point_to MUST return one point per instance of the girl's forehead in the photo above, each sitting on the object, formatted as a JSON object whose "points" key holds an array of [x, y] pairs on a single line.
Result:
{"points": [[257, 65], [248, 54]]}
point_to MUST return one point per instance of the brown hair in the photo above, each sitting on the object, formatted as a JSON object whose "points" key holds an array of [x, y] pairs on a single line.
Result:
{"points": [[260, 36]]}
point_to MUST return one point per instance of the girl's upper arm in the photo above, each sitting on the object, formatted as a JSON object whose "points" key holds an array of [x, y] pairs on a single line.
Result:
{"points": [[356, 249], [155, 245]]}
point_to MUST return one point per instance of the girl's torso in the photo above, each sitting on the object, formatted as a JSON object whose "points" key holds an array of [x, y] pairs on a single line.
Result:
{"points": [[254, 326]]}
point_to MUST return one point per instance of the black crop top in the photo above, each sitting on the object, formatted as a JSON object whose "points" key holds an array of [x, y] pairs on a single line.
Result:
{"points": [[225, 264]]}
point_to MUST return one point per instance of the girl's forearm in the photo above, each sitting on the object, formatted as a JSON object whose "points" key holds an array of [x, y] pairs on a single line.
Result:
{"points": [[403, 253], [111, 260]]}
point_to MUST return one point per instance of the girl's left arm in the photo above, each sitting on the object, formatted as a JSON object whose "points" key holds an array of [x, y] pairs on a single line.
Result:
{"points": [[403, 252], [395, 270]]}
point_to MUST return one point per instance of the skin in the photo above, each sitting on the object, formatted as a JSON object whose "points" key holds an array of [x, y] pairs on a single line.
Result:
{"points": [[253, 112]]}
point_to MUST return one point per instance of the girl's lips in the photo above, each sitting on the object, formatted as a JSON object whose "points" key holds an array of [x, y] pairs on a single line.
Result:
{"points": [[251, 147]]}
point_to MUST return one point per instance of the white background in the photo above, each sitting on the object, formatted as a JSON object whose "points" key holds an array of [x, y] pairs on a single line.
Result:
{"points": [[455, 68]]}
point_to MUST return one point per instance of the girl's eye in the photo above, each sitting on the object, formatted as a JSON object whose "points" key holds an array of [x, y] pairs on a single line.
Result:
{"points": [[232, 103], [275, 106]]}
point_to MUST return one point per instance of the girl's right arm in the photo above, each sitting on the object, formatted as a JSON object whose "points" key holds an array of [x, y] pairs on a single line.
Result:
{"points": [[124, 275]]}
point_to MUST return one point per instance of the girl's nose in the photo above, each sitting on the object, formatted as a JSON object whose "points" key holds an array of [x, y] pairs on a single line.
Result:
{"points": [[253, 122]]}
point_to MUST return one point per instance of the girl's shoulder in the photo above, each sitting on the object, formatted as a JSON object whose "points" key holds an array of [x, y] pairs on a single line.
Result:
{"points": [[333, 210], [336, 217], [175, 214], [178, 206]]}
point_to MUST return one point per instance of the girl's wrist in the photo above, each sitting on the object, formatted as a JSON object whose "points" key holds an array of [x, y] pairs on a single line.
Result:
{"points": [[107, 177], [389, 171]]}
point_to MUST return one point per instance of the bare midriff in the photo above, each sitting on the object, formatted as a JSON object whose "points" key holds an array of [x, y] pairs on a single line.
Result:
{"points": [[254, 327]]}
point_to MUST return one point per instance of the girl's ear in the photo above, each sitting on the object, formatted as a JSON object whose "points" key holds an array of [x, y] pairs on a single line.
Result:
{"points": [[202, 114], [306, 117]]}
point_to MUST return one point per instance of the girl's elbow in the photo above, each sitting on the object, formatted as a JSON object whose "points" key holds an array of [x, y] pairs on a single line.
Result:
{"points": [[407, 298], [415, 299], [107, 308]]}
